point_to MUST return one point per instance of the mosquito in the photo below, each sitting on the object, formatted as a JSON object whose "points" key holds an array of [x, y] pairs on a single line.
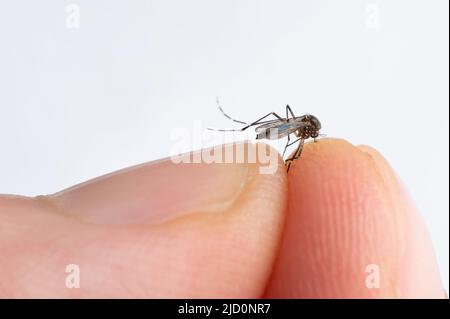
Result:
{"points": [[301, 127]]}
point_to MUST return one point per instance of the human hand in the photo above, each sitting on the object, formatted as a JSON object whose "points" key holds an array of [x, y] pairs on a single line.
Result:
{"points": [[223, 230]]}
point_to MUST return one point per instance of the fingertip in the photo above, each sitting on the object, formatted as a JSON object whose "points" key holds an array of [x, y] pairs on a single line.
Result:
{"points": [[348, 216]]}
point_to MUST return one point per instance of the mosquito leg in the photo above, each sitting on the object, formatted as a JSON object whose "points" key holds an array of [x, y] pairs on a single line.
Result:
{"points": [[288, 109], [299, 150], [249, 125], [286, 146], [289, 144], [288, 164], [296, 155], [262, 118], [226, 115], [227, 130], [294, 141]]}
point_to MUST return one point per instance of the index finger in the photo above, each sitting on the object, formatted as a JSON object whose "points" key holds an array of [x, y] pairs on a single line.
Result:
{"points": [[351, 230]]}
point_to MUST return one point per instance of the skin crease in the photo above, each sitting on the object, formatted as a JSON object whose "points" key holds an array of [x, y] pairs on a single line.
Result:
{"points": [[224, 230]]}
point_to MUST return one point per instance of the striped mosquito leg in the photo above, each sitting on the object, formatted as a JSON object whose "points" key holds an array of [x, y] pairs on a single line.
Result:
{"points": [[296, 155], [289, 144], [289, 110], [286, 146], [226, 115]]}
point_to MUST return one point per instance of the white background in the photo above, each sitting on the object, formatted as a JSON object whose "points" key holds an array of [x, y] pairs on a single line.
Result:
{"points": [[76, 103]]}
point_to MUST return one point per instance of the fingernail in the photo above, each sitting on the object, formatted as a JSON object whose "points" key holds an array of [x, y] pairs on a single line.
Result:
{"points": [[158, 191]]}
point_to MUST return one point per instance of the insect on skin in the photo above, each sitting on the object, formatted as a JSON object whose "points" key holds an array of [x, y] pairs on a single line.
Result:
{"points": [[301, 127]]}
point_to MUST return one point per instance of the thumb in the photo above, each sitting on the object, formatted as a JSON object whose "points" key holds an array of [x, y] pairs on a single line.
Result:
{"points": [[155, 230]]}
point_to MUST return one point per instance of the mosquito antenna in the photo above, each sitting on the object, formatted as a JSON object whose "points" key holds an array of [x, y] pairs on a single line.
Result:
{"points": [[226, 115]]}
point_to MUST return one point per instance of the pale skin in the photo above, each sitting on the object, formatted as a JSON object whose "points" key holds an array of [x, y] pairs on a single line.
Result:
{"points": [[224, 230]]}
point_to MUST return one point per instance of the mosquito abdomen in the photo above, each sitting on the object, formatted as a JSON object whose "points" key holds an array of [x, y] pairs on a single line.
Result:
{"points": [[268, 134]]}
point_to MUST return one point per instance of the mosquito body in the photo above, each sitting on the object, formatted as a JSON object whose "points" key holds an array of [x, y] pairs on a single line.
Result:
{"points": [[301, 127]]}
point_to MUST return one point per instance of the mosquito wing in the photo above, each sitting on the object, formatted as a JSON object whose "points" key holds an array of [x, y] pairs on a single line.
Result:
{"points": [[278, 129], [268, 125]]}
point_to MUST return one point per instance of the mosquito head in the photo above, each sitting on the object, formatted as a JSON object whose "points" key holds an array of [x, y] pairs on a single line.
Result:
{"points": [[312, 128], [315, 126]]}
